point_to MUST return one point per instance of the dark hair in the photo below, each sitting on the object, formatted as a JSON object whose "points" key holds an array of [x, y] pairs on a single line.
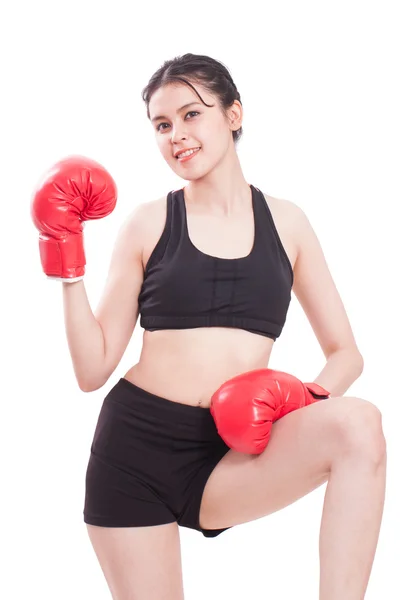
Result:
{"points": [[211, 74]]}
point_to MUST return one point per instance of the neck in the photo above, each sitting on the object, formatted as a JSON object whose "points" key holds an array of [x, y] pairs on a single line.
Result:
{"points": [[223, 192]]}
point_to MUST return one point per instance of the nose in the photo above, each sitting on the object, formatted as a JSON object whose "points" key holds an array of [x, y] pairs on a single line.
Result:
{"points": [[178, 133]]}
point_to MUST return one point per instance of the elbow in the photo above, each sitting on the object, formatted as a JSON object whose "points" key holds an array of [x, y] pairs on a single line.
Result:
{"points": [[90, 382], [352, 357], [90, 386], [85, 388], [357, 362]]}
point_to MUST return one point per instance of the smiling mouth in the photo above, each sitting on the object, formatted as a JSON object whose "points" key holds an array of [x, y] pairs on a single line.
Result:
{"points": [[183, 155]]}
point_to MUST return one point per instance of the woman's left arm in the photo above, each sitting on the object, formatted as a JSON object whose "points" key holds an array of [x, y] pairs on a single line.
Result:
{"points": [[317, 293], [342, 368]]}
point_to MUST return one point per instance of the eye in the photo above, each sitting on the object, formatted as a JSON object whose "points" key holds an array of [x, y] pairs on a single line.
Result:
{"points": [[191, 112]]}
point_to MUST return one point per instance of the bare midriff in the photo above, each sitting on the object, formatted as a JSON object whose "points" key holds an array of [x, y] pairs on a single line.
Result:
{"points": [[189, 365]]}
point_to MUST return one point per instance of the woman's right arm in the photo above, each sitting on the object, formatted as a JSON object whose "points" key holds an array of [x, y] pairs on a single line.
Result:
{"points": [[97, 340]]}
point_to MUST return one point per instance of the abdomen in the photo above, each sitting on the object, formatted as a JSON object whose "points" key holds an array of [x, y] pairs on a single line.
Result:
{"points": [[189, 365]]}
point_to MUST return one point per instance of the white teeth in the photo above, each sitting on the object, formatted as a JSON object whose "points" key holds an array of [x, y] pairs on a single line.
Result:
{"points": [[187, 153]]}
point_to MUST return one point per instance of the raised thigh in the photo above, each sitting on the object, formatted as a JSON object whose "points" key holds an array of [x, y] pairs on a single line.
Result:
{"points": [[297, 460], [140, 563]]}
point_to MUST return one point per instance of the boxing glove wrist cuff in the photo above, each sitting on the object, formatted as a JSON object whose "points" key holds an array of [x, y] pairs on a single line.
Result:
{"points": [[63, 257], [317, 391], [65, 279]]}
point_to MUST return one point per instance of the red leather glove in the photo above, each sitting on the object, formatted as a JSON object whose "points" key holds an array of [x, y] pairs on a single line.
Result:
{"points": [[245, 407], [74, 190]]}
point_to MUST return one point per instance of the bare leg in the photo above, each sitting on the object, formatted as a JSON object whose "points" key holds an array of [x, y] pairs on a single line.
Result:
{"points": [[340, 441], [350, 525], [140, 563]]}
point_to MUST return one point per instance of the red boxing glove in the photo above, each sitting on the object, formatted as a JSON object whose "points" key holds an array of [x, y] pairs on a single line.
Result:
{"points": [[74, 190], [245, 407]]}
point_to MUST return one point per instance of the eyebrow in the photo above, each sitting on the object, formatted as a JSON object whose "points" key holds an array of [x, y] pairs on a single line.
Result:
{"points": [[179, 110]]}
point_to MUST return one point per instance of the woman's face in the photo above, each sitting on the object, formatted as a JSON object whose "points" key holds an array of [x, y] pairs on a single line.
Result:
{"points": [[181, 122]]}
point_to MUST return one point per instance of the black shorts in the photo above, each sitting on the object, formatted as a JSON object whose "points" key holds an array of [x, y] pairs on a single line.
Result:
{"points": [[149, 461]]}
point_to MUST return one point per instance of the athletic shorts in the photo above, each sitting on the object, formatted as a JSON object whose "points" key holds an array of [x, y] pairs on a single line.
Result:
{"points": [[150, 460]]}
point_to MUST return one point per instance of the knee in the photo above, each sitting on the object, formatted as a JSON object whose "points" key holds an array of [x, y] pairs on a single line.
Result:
{"points": [[360, 429]]}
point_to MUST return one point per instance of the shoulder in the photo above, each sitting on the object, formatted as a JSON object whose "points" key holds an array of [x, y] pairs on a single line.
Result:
{"points": [[143, 226], [301, 228], [288, 217], [282, 208], [309, 256], [146, 215]]}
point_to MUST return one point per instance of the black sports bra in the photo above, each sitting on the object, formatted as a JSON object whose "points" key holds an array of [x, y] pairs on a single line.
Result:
{"points": [[185, 288]]}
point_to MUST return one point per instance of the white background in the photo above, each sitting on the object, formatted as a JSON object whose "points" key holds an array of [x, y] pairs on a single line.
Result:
{"points": [[319, 86]]}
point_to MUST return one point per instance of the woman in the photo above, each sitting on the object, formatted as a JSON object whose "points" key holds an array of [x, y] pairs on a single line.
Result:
{"points": [[210, 268]]}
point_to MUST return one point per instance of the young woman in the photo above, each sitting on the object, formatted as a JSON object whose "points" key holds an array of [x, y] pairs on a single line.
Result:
{"points": [[210, 268]]}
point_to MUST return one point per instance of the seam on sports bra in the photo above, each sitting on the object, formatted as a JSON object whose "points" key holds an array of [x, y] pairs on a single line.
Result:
{"points": [[233, 291], [215, 316], [214, 285]]}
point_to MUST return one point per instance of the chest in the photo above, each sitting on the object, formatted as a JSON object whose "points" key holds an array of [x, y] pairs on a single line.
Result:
{"points": [[224, 237]]}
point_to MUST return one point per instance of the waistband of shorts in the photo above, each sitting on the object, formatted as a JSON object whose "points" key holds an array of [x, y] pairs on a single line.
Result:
{"points": [[144, 399]]}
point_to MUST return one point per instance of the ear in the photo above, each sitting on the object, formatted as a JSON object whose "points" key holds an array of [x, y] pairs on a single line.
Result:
{"points": [[235, 115]]}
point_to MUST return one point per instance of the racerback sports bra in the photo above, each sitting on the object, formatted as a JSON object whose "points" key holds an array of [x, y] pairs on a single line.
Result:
{"points": [[184, 288]]}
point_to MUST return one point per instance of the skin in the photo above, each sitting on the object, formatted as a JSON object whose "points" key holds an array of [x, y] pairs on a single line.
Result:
{"points": [[145, 562], [216, 184]]}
